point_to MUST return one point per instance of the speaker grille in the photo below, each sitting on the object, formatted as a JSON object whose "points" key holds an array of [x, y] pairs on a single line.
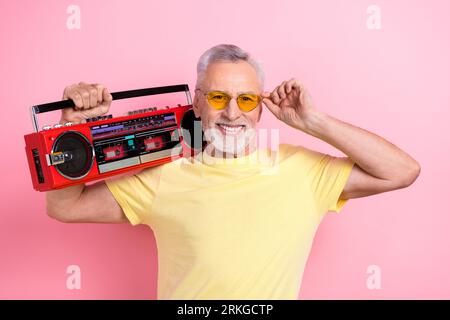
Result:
{"points": [[78, 155]]}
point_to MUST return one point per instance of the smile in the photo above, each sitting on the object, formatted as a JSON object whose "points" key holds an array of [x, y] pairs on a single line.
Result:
{"points": [[230, 129]]}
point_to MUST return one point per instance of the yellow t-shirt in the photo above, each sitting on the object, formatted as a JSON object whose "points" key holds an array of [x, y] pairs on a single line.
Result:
{"points": [[234, 228]]}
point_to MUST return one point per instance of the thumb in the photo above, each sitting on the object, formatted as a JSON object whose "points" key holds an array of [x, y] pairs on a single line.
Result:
{"points": [[265, 94], [107, 97], [272, 107]]}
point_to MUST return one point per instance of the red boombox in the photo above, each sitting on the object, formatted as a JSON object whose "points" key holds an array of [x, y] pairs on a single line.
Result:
{"points": [[69, 154]]}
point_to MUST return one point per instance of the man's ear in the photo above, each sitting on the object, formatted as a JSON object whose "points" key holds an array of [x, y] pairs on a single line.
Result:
{"points": [[195, 106], [259, 113]]}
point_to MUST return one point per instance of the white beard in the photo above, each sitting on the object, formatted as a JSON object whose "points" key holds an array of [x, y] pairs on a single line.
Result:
{"points": [[230, 144]]}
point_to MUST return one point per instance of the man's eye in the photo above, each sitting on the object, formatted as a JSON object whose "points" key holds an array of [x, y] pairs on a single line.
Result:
{"points": [[247, 99], [219, 97]]}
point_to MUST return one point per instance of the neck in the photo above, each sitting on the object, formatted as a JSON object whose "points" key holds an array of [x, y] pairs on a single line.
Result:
{"points": [[213, 152]]}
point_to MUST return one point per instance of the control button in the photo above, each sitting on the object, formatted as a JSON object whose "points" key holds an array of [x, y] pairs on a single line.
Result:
{"points": [[68, 123], [58, 125], [46, 127]]}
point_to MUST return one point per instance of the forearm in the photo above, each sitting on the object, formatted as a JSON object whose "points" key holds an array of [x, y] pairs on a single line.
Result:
{"points": [[370, 152], [61, 202]]}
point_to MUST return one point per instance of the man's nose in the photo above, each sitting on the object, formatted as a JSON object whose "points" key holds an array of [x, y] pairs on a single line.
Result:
{"points": [[232, 111]]}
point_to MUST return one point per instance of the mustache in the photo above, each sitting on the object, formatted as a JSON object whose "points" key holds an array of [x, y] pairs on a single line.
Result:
{"points": [[229, 123]]}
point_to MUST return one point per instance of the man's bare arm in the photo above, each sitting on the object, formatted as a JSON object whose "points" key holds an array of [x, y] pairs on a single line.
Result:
{"points": [[380, 165], [81, 203]]}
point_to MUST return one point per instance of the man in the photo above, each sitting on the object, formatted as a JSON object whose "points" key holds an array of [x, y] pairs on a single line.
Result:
{"points": [[226, 228]]}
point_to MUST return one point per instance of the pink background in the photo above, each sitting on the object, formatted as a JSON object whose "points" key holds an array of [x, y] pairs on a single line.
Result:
{"points": [[394, 82]]}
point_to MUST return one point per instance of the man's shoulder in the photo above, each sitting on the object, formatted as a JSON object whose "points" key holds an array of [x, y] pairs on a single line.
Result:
{"points": [[160, 167], [286, 150], [152, 171], [289, 150]]}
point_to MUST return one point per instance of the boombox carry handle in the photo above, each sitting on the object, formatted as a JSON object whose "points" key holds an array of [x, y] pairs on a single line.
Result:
{"points": [[58, 105]]}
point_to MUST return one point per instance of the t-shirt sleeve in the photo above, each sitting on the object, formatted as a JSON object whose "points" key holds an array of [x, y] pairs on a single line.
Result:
{"points": [[327, 176], [328, 182], [135, 193]]}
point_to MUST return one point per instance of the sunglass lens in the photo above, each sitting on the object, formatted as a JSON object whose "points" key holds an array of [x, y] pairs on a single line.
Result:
{"points": [[248, 102], [218, 100]]}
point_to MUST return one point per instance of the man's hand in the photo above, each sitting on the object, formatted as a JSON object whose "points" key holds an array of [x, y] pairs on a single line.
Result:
{"points": [[91, 100], [290, 103]]}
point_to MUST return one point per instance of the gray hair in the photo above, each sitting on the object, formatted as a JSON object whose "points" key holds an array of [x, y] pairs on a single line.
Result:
{"points": [[226, 53]]}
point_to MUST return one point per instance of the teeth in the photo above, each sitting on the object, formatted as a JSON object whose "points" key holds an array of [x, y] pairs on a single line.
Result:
{"points": [[231, 129]]}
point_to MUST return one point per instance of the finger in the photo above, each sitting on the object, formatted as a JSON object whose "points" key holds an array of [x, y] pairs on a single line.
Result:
{"points": [[99, 88], [265, 94], [272, 107], [281, 90], [67, 90], [76, 98], [89, 113], [289, 85], [297, 85], [85, 96], [274, 96], [95, 112], [103, 109], [82, 88], [93, 96], [83, 85], [107, 97]]}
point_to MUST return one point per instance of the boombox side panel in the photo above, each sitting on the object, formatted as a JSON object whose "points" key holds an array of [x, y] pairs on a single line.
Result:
{"points": [[35, 149]]}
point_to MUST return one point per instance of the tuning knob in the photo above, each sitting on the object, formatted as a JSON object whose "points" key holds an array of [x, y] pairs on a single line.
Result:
{"points": [[46, 127], [67, 124], [58, 125]]}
